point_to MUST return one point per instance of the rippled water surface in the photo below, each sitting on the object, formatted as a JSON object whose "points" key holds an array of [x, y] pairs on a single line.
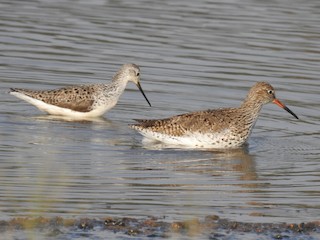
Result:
{"points": [[193, 55]]}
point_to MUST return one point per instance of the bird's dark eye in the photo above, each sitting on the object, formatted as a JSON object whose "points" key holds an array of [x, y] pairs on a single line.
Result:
{"points": [[270, 91], [138, 74]]}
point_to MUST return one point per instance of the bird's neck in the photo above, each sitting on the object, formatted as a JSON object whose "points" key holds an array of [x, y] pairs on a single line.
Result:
{"points": [[251, 109], [117, 85]]}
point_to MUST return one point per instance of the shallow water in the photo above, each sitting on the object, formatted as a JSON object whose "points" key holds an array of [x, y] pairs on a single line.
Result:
{"points": [[193, 56]]}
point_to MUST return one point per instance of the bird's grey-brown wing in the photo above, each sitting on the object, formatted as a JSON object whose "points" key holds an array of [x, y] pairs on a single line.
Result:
{"points": [[202, 121], [77, 98]]}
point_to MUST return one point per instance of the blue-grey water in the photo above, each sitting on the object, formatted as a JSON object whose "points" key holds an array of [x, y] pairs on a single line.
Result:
{"points": [[193, 55]]}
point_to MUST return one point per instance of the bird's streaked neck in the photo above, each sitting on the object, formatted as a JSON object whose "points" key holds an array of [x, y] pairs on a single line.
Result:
{"points": [[251, 108]]}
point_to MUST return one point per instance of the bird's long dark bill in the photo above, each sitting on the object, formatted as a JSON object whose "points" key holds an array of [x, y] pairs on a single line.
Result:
{"points": [[140, 88], [280, 104]]}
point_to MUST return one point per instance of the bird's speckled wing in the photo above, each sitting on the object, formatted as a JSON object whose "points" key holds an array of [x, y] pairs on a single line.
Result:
{"points": [[215, 120], [77, 98]]}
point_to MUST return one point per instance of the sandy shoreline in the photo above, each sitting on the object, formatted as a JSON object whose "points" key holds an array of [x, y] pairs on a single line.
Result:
{"points": [[211, 227]]}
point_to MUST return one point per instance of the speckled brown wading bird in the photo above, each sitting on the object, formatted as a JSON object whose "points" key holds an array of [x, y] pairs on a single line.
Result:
{"points": [[221, 128], [83, 101]]}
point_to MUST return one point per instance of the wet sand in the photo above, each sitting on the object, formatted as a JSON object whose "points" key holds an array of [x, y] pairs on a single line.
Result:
{"points": [[211, 227]]}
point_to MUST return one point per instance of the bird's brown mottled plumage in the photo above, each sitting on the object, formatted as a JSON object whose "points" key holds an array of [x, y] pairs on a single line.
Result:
{"points": [[232, 125], [78, 98], [196, 121]]}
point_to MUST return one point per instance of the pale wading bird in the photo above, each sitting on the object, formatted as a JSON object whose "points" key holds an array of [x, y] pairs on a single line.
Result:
{"points": [[221, 128], [83, 101]]}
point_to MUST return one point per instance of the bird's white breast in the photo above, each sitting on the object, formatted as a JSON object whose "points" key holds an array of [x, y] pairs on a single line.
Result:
{"points": [[223, 139]]}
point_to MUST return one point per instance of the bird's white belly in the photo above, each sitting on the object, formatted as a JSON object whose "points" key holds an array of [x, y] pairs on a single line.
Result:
{"points": [[55, 110], [224, 139]]}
